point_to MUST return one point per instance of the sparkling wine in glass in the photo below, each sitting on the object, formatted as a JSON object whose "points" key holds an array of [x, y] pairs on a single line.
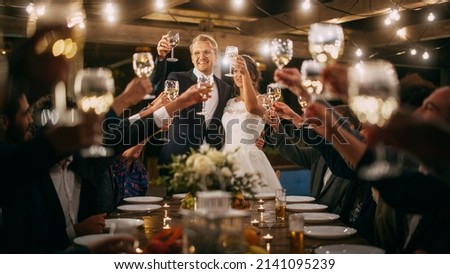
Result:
{"points": [[373, 97], [326, 42], [273, 92], [204, 82], [311, 78], [94, 92], [281, 52], [230, 53], [143, 66], [174, 39], [171, 90]]}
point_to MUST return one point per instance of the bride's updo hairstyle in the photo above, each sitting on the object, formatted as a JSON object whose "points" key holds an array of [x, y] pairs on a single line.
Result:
{"points": [[255, 74]]}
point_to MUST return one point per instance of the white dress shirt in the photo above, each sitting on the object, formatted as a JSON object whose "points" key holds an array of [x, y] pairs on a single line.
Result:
{"points": [[68, 186]]}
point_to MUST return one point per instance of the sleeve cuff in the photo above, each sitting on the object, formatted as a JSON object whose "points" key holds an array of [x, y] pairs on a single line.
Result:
{"points": [[134, 118], [160, 115]]}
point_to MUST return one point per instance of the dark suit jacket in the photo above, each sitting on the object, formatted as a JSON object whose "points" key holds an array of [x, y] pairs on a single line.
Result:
{"points": [[188, 129]]}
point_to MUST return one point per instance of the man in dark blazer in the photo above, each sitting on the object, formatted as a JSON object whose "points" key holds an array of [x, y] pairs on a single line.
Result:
{"points": [[190, 129]]}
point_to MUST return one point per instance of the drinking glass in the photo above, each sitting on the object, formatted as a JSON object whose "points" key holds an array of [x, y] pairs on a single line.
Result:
{"points": [[171, 90], [94, 92], [326, 42], [174, 39], [373, 97], [230, 53], [273, 92], [143, 66], [204, 82], [280, 204], [281, 52], [296, 227], [311, 79]]}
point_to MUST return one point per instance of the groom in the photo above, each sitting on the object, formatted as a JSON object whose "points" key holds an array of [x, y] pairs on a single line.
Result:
{"points": [[189, 129]]}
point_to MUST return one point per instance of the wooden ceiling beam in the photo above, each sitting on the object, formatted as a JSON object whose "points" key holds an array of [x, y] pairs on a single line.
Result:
{"points": [[300, 20]]}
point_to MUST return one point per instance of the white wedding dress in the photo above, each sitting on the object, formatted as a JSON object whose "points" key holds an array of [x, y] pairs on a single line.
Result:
{"points": [[243, 129]]}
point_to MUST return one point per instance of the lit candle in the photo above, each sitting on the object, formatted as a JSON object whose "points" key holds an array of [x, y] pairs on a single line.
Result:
{"points": [[254, 222], [261, 201], [167, 226], [166, 205], [261, 208], [267, 237]]}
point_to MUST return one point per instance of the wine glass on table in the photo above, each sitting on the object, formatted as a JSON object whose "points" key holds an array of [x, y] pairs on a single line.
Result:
{"points": [[143, 66], [204, 82], [373, 97], [94, 92], [230, 53], [174, 40], [281, 52]]}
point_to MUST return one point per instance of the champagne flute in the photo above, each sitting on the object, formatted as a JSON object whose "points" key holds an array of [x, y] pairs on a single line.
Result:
{"points": [[143, 66], [373, 97], [281, 52], [94, 92], [326, 42], [174, 39], [171, 90], [203, 82], [310, 78], [273, 92], [230, 53]]}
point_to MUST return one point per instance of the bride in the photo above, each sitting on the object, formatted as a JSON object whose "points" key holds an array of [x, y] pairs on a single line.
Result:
{"points": [[243, 124]]}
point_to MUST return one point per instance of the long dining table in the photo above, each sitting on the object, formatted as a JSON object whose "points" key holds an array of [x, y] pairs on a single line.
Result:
{"points": [[155, 221]]}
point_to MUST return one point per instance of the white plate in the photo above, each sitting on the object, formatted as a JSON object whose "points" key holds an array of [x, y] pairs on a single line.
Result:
{"points": [[348, 249], [319, 217], [179, 195], [299, 199], [265, 195], [124, 221], [91, 239], [305, 207], [138, 207], [329, 232], [143, 199]]}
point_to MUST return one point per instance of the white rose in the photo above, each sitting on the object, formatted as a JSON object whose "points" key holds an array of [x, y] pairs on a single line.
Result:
{"points": [[204, 148], [203, 165], [191, 159], [231, 159], [216, 156], [226, 172]]}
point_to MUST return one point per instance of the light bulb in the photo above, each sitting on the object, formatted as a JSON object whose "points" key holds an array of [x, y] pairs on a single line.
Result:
{"points": [[359, 52], [306, 5], [425, 55], [388, 21], [413, 51], [431, 17]]}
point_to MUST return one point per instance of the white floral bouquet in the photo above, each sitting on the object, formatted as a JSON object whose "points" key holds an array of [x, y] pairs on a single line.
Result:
{"points": [[209, 169]]}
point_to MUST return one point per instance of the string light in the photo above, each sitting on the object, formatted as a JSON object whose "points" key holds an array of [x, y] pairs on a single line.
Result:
{"points": [[394, 15], [306, 4], [413, 52], [425, 55], [265, 48], [110, 12], [358, 52], [238, 4], [160, 4], [431, 17], [402, 33], [388, 21]]}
